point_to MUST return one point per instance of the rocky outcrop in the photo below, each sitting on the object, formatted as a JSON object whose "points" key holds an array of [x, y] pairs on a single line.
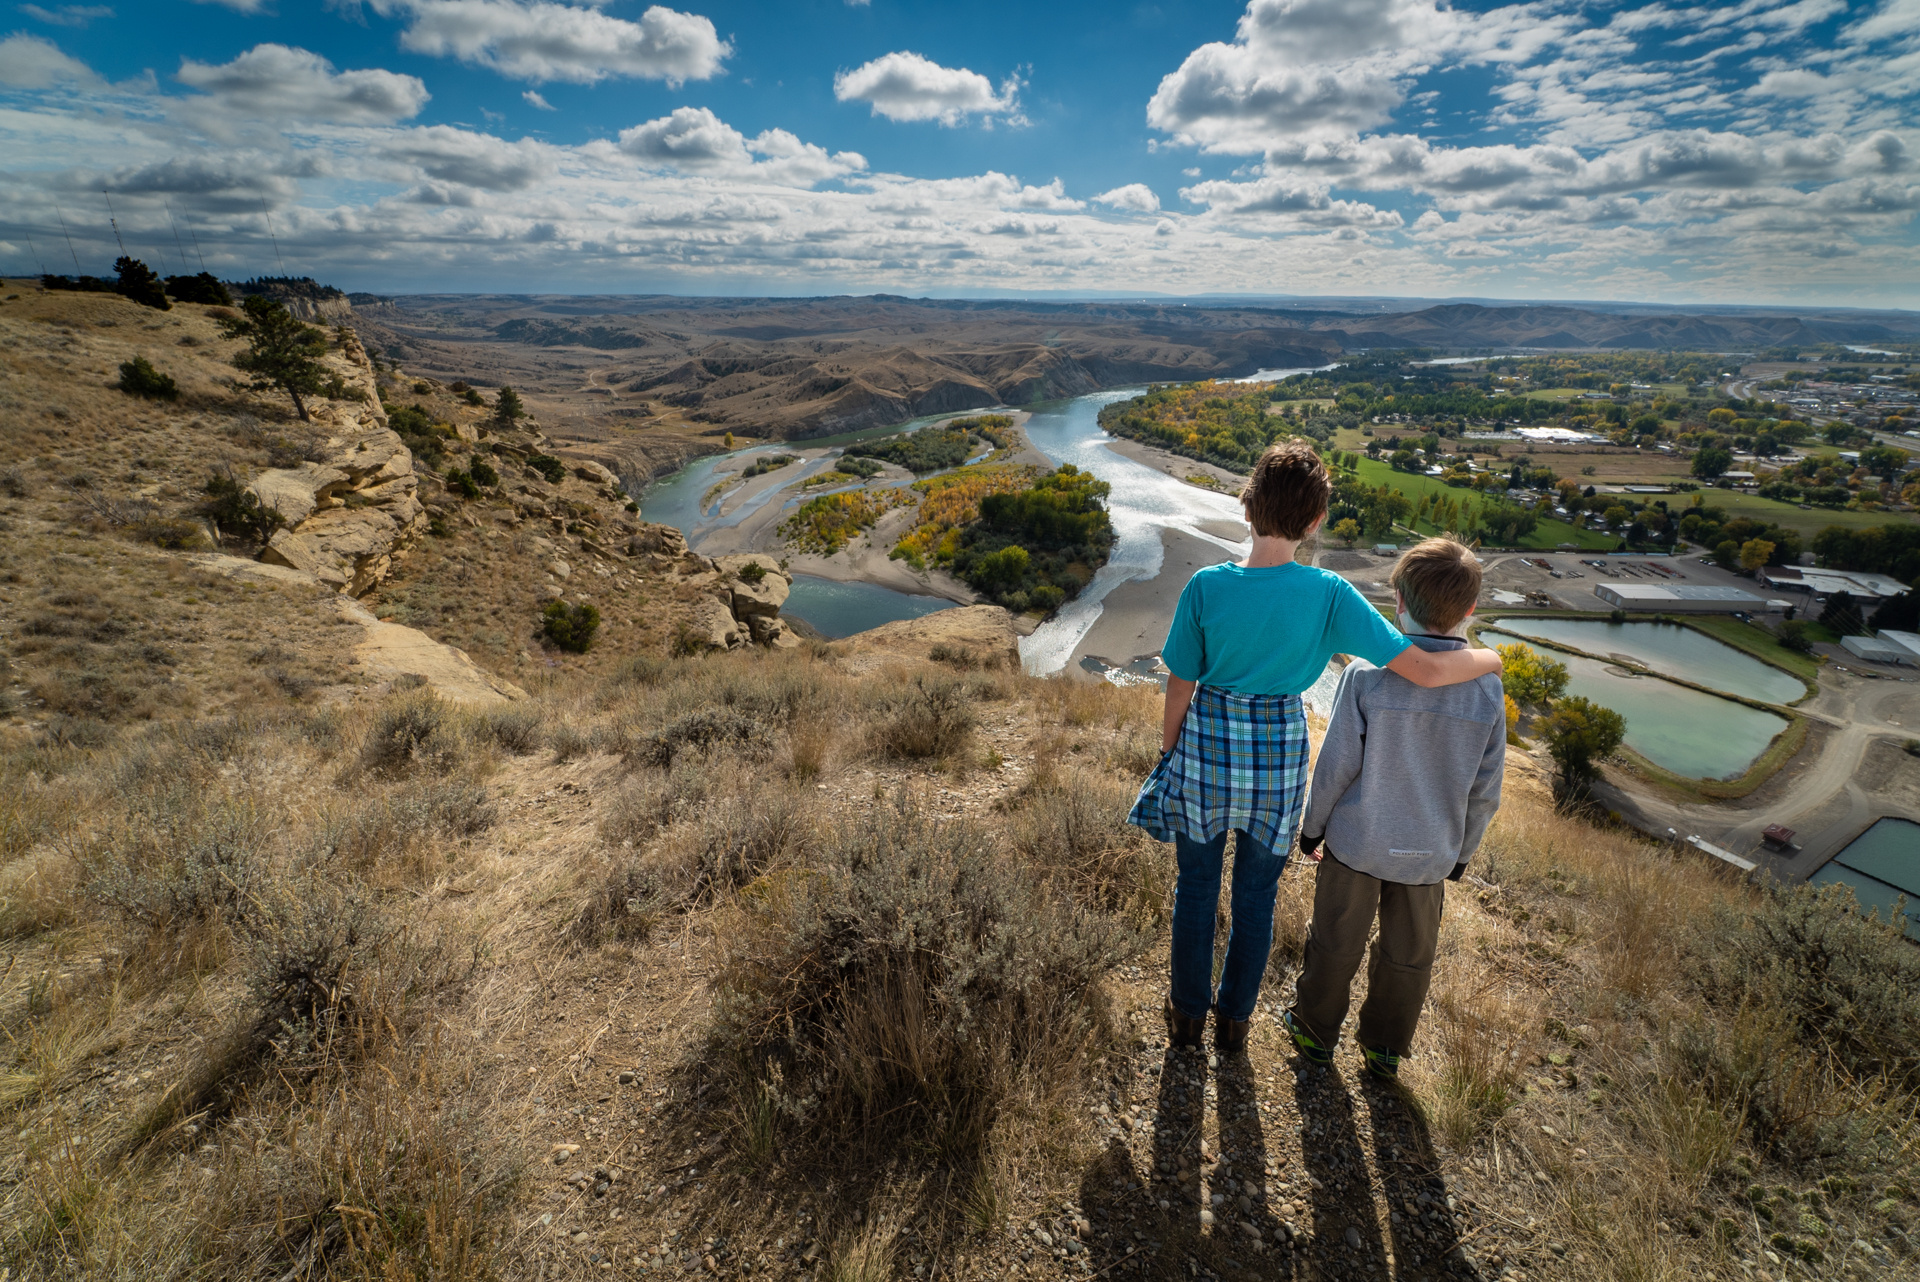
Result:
{"points": [[736, 599], [984, 631], [356, 508]]}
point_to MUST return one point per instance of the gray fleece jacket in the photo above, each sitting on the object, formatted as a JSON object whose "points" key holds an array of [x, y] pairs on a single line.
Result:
{"points": [[1408, 778]]}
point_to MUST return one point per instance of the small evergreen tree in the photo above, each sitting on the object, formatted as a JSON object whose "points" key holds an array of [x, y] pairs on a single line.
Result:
{"points": [[1900, 614], [282, 353], [571, 627], [507, 407], [138, 282], [1842, 615], [238, 511]]}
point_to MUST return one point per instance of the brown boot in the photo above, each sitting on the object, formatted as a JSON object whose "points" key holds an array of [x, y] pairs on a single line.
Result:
{"points": [[1182, 1031], [1230, 1035]]}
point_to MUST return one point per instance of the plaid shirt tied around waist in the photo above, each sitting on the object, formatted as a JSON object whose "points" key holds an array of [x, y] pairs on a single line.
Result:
{"points": [[1240, 762]]}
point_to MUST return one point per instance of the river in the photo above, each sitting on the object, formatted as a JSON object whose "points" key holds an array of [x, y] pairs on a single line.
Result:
{"points": [[1144, 502]]}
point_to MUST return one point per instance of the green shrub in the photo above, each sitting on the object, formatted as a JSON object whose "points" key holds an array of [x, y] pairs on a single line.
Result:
{"points": [[915, 986], [462, 484], [482, 473], [752, 572], [515, 729], [548, 466], [1795, 636], [571, 627], [138, 377], [238, 512]]}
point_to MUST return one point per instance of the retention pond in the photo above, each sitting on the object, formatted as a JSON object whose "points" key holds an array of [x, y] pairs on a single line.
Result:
{"points": [[1689, 732], [1669, 649]]}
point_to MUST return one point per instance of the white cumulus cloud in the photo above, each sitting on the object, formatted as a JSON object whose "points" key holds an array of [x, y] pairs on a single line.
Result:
{"points": [[272, 82], [1135, 198], [542, 41], [471, 159], [693, 140], [28, 62], [534, 98], [907, 86]]}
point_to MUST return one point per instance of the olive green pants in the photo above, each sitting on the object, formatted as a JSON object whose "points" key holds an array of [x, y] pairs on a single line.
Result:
{"points": [[1345, 903]]}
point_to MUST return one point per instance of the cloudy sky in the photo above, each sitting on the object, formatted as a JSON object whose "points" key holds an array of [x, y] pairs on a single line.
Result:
{"points": [[1716, 152]]}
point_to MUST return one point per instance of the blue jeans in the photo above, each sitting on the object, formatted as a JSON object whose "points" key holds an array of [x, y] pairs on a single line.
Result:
{"points": [[1196, 902]]}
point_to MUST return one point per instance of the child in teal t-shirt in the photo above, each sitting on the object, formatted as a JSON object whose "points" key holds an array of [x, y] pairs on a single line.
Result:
{"points": [[1246, 640]]}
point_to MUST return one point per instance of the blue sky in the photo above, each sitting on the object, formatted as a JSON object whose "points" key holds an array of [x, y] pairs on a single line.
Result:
{"points": [[1756, 152]]}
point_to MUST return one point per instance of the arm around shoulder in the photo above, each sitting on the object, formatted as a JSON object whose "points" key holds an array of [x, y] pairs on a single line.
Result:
{"points": [[1432, 668]]}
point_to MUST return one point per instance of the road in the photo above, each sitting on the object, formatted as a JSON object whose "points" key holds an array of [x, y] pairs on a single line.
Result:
{"points": [[1821, 799]]}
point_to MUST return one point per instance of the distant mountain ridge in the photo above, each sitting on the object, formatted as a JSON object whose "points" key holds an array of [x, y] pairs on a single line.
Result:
{"points": [[807, 367]]}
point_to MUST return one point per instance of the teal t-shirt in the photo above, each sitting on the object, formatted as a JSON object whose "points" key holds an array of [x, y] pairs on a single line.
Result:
{"points": [[1271, 630]]}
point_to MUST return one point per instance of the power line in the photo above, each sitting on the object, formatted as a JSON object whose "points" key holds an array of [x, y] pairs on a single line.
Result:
{"points": [[196, 247], [36, 254], [69, 235]]}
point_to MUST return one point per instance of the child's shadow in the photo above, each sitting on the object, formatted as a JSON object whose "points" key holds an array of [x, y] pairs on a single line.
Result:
{"points": [[1346, 1229], [1135, 1237], [1426, 1240]]}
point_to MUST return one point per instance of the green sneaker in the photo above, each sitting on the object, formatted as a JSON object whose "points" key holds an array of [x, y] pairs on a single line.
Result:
{"points": [[1306, 1043], [1382, 1063]]}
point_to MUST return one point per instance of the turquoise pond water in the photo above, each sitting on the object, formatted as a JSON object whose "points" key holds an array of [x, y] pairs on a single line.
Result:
{"points": [[1691, 733], [1671, 649], [1882, 864]]}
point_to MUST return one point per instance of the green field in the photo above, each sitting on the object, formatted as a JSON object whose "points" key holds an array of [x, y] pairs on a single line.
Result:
{"points": [[1772, 511], [1548, 537]]}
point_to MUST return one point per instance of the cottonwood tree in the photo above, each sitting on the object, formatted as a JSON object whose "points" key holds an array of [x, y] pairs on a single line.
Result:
{"points": [[1580, 732], [282, 352]]}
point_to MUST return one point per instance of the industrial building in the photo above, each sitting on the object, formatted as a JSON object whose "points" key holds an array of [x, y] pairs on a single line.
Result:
{"points": [[1863, 587], [1878, 650], [1677, 600]]}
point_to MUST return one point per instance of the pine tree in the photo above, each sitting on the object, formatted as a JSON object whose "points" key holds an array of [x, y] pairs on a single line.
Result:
{"points": [[507, 407], [138, 282], [282, 353]]}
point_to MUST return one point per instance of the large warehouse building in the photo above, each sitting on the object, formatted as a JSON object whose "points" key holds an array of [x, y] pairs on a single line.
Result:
{"points": [[1677, 600]]}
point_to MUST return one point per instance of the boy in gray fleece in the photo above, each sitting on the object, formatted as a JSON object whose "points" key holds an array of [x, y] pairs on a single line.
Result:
{"points": [[1406, 782]]}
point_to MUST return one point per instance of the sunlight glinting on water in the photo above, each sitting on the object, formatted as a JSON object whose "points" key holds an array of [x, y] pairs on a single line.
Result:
{"points": [[1144, 502]]}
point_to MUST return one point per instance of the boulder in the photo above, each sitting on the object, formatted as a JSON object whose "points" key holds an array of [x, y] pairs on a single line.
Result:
{"points": [[713, 624], [658, 540], [597, 474], [295, 492], [751, 599], [773, 632]]}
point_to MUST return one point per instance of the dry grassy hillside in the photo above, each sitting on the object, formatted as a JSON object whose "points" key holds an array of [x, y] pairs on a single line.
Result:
{"points": [[759, 965], [834, 962]]}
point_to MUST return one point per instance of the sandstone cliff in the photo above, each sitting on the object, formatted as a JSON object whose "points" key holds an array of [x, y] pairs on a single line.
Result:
{"points": [[354, 509]]}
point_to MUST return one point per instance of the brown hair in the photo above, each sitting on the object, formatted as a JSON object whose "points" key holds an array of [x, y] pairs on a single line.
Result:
{"points": [[1287, 492], [1439, 580]]}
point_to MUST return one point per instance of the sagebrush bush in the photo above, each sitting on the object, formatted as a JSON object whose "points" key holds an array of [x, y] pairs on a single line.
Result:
{"points": [[703, 732], [919, 982], [733, 838], [179, 857], [514, 728], [1075, 828], [415, 730], [623, 906], [928, 718]]}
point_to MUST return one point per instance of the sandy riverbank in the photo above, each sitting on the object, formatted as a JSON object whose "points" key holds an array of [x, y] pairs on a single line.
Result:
{"points": [[1175, 465], [1135, 616]]}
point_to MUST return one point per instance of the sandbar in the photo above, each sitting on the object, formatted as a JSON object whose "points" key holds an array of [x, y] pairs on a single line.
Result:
{"points": [[1135, 616]]}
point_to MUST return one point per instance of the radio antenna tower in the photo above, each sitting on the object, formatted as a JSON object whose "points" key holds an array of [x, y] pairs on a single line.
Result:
{"points": [[176, 236], [69, 235], [270, 236], [114, 223]]}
